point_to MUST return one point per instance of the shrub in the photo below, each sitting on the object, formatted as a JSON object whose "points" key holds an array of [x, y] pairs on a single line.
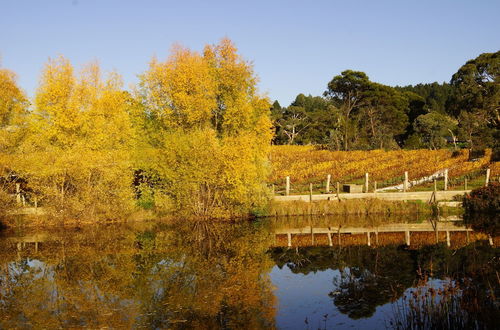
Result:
{"points": [[482, 207], [483, 200]]}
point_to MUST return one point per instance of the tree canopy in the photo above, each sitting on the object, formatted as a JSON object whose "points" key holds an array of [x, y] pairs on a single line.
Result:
{"points": [[356, 113]]}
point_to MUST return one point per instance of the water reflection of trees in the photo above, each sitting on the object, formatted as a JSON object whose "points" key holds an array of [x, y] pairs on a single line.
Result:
{"points": [[182, 276], [484, 222], [373, 277]]}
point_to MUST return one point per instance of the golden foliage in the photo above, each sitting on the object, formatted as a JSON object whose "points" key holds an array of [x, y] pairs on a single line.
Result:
{"points": [[307, 164], [13, 106], [76, 156], [213, 132]]}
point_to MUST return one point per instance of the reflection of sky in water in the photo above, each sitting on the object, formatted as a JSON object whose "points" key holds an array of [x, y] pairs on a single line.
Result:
{"points": [[306, 296]]}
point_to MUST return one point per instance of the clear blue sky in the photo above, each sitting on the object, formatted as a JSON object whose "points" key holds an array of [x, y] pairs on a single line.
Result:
{"points": [[296, 46]]}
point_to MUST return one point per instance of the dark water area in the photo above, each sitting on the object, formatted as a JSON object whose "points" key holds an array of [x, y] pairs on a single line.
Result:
{"points": [[295, 273]]}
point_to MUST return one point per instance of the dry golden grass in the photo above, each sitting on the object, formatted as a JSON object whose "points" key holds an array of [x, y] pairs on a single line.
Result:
{"points": [[347, 207]]}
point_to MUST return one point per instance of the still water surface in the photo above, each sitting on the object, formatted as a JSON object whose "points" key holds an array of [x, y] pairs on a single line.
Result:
{"points": [[297, 273]]}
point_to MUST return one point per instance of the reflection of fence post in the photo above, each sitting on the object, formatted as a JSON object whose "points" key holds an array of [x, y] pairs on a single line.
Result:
{"points": [[445, 179], [287, 188], [327, 189], [405, 183], [366, 182], [487, 177]]}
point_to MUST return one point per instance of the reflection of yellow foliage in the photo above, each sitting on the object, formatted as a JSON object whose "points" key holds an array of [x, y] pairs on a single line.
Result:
{"points": [[195, 276]]}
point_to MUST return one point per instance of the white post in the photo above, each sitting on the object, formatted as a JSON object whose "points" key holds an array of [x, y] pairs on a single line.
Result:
{"points": [[487, 177], [446, 179], [18, 193], [368, 240], [287, 189], [448, 243], [366, 182], [328, 177], [407, 237], [405, 183]]}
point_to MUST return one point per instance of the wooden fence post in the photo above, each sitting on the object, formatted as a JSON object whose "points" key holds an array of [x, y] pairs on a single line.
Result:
{"points": [[405, 183], [433, 196], [487, 177], [338, 189], [465, 184], [18, 193], [328, 177], [310, 192], [287, 188], [375, 187], [366, 182], [445, 179]]}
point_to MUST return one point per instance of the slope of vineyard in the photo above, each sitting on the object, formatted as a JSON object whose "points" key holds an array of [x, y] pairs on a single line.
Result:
{"points": [[307, 164]]}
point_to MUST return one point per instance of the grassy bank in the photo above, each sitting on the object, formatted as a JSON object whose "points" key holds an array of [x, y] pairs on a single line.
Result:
{"points": [[357, 207]]}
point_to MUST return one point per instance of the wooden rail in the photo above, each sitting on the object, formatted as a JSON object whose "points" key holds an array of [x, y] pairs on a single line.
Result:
{"points": [[425, 196]]}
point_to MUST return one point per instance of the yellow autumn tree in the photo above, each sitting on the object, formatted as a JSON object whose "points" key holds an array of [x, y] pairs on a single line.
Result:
{"points": [[76, 156], [212, 132], [13, 110]]}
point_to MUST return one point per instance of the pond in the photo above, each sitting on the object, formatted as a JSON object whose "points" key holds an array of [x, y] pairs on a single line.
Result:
{"points": [[292, 273]]}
